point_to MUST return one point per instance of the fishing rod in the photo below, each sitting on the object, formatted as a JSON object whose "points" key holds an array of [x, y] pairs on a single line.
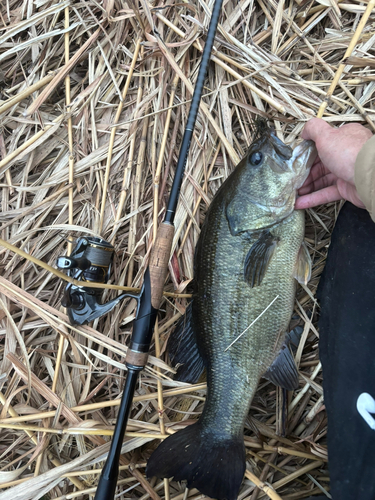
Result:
{"points": [[91, 260], [92, 257]]}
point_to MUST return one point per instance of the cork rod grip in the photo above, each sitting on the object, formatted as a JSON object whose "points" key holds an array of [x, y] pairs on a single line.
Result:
{"points": [[159, 262]]}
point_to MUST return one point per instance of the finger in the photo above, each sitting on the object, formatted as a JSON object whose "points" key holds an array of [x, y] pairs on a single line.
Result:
{"points": [[318, 198], [315, 128], [318, 184], [317, 170]]}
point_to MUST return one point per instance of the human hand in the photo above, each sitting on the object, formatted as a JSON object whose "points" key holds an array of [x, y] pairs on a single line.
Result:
{"points": [[332, 175]]}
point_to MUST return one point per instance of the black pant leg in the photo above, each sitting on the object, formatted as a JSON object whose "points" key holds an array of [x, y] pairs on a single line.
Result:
{"points": [[347, 351]]}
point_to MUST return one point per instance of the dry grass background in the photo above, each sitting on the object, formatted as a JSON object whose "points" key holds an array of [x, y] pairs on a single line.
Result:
{"points": [[70, 72]]}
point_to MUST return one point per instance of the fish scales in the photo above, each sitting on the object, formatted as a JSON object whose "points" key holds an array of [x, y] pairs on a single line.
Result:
{"points": [[240, 367], [248, 255]]}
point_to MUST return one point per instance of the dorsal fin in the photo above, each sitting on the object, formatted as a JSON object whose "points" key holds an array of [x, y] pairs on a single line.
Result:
{"points": [[183, 349]]}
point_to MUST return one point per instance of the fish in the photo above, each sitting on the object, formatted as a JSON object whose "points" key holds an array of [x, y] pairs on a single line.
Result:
{"points": [[248, 259]]}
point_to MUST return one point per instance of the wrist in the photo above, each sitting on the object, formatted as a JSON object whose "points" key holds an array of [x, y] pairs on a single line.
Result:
{"points": [[364, 175]]}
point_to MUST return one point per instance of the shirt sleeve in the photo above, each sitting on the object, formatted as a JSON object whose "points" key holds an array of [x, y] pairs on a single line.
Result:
{"points": [[364, 175]]}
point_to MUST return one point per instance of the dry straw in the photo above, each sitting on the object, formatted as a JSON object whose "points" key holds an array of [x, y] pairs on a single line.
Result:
{"points": [[94, 99]]}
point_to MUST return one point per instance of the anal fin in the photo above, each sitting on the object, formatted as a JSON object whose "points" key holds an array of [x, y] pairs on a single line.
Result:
{"points": [[283, 371], [303, 266], [183, 350]]}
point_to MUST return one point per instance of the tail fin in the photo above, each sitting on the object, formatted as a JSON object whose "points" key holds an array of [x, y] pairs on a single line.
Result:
{"points": [[210, 462]]}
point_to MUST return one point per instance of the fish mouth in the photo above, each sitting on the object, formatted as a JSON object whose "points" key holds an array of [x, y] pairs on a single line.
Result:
{"points": [[302, 160], [282, 150]]}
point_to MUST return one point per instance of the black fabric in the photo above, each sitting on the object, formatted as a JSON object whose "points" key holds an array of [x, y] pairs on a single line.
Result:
{"points": [[347, 351]]}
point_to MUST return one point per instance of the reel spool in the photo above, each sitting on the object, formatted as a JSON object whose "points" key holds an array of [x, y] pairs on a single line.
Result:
{"points": [[90, 261]]}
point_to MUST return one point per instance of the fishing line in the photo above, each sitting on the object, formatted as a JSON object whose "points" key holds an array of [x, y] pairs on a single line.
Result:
{"points": [[251, 324]]}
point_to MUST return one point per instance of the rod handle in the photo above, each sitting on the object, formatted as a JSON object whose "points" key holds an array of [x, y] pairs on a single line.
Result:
{"points": [[159, 262]]}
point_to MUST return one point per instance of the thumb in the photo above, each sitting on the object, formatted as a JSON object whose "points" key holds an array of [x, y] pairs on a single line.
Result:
{"points": [[315, 128]]}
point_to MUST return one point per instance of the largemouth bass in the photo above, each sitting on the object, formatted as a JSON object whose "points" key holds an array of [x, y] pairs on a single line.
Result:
{"points": [[249, 254]]}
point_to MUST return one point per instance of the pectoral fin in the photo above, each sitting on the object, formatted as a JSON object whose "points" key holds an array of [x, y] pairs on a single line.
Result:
{"points": [[303, 265], [183, 350], [258, 258]]}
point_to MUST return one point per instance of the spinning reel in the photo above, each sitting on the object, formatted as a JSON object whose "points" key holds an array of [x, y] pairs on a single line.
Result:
{"points": [[90, 261]]}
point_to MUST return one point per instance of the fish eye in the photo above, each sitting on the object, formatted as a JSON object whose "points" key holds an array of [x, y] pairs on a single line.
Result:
{"points": [[256, 158]]}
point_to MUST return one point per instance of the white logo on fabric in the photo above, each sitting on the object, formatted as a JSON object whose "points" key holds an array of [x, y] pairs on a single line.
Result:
{"points": [[366, 406]]}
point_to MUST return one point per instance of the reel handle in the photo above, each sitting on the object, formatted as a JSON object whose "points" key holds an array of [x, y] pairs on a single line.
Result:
{"points": [[72, 263]]}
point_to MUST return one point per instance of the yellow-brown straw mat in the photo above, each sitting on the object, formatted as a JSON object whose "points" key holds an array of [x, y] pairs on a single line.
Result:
{"points": [[94, 97]]}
